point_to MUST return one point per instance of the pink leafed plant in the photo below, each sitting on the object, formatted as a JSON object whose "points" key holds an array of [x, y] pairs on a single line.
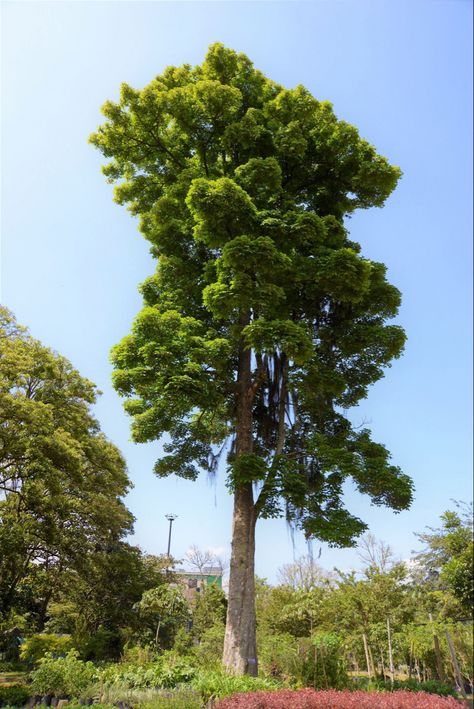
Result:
{"points": [[333, 699]]}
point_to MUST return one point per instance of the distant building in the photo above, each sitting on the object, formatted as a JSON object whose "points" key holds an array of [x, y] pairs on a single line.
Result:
{"points": [[194, 581]]}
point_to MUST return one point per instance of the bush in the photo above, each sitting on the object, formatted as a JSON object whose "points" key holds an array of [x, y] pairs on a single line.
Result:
{"points": [[138, 655], [102, 645], [177, 699], [71, 705], [67, 676], [329, 668], [334, 699], [216, 684], [180, 698], [16, 695], [316, 662], [36, 646], [168, 671], [209, 651], [431, 686]]}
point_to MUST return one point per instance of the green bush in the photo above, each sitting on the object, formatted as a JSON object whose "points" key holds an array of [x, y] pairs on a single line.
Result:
{"points": [[431, 686], [217, 684], [166, 672], [181, 698], [36, 646], [328, 666], [102, 645], [208, 652], [63, 676], [282, 656], [16, 695], [183, 642], [316, 662], [138, 655], [71, 705]]}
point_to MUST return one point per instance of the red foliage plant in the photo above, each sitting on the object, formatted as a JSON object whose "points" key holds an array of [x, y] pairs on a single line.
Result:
{"points": [[333, 699]]}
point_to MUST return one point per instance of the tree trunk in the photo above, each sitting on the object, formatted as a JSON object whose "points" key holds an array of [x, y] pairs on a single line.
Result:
{"points": [[240, 644]]}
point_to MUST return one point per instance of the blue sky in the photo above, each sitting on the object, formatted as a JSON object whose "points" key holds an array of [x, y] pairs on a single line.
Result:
{"points": [[71, 258]]}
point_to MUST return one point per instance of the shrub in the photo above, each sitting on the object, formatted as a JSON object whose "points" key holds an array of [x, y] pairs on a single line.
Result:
{"points": [[180, 698], [177, 699], [138, 655], [334, 699], [63, 676], [329, 668], [36, 646], [16, 695], [71, 705], [431, 686], [102, 645], [316, 662], [280, 656], [168, 671], [216, 684], [208, 652]]}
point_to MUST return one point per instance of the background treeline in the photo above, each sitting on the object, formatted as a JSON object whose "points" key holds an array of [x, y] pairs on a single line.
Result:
{"points": [[71, 586]]}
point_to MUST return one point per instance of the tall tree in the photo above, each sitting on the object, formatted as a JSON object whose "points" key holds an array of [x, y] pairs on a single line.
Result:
{"points": [[61, 480], [263, 322]]}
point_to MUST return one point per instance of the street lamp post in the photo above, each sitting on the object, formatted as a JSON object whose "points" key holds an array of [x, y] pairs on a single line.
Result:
{"points": [[171, 518]]}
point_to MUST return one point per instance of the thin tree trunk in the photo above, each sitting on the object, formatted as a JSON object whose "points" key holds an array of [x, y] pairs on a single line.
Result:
{"points": [[367, 656], [240, 644], [390, 654], [437, 649], [454, 660]]}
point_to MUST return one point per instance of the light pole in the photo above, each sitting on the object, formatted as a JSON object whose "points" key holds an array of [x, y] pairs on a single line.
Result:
{"points": [[171, 518]]}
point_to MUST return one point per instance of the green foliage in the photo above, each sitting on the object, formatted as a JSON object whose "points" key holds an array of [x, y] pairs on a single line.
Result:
{"points": [[448, 556], [216, 684], [209, 610], [67, 675], [431, 686], [208, 652], [181, 698], [183, 641], [317, 662], [329, 663], [167, 671], [61, 480], [36, 646], [15, 695], [163, 610], [242, 188]]}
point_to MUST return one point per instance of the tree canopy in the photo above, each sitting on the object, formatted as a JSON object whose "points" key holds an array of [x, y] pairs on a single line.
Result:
{"points": [[61, 480]]}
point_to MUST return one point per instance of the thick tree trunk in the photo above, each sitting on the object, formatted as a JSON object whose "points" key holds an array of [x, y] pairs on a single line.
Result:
{"points": [[240, 645]]}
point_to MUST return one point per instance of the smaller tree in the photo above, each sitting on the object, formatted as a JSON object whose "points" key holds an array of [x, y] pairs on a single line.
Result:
{"points": [[447, 558], [163, 610], [210, 610], [61, 480]]}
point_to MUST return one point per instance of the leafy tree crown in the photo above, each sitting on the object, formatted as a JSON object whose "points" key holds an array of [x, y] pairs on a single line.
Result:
{"points": [[242, 187]]}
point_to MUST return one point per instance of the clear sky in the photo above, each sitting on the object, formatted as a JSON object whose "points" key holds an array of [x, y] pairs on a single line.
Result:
{"points": [[401, 71]]}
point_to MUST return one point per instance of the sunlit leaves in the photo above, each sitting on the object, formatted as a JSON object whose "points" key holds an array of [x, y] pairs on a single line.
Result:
{"points": [[242, 187]]}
